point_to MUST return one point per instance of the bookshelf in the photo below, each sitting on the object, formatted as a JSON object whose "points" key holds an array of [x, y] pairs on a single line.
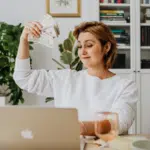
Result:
{"points": [[119, 17], [142, 67], [137, 66], [126, 51]]}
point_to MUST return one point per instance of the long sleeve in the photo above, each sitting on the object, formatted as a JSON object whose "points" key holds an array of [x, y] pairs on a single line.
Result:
{"points": [[35, 81], [125, 106]]}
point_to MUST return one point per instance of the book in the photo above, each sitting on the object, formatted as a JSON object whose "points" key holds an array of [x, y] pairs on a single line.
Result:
{"points": [[145, 36], [113, 18], [142, 36], [148, 32], [112, 11], [112, 14], [115, 31]]}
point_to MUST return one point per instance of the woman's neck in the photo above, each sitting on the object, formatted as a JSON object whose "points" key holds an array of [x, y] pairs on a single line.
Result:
{"points": [[100, 72]]}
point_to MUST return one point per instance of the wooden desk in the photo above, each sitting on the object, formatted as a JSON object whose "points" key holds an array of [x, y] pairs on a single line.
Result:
{"points": [[121, 142]]}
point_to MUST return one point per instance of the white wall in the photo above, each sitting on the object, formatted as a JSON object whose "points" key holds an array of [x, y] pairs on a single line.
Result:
{"points": [[22, 11]]}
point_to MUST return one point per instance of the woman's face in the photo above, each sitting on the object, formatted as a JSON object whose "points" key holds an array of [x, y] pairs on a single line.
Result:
{"points": [[90, 50]]}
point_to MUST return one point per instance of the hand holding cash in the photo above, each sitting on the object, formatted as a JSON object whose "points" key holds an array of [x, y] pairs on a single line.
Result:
{"points": [[43, 32]]}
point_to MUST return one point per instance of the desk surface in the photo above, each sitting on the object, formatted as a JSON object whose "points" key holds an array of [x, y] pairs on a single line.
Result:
{"points": [[138, 135], [121, 142]]}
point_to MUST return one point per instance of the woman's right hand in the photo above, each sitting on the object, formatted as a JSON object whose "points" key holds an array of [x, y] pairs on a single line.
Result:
{"points": [[31, 28], [87, 128]]}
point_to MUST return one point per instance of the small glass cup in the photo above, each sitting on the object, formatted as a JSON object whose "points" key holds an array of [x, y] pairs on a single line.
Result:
{"points": [[106, 127]]}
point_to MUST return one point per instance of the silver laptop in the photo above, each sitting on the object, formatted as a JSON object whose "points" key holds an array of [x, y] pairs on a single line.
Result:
{"points": [[39, 127]]}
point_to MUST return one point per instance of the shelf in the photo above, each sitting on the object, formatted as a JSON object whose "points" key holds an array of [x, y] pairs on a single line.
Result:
{"points": [[122, 71], [144, 70], [124, 47], [145, 47], [145, 24], [116, 24], [114, 5], [145, 5]]}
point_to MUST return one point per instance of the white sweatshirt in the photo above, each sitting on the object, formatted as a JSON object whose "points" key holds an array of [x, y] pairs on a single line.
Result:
{"points": [[86, 93]]}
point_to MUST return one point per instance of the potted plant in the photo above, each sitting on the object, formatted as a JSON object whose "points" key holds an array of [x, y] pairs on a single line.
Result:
{"points": [[9, 42], [4, 92], [69, 56]]}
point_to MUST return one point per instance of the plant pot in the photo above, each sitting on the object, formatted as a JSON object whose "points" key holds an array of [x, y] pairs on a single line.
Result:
{"points": [[2, 100]]}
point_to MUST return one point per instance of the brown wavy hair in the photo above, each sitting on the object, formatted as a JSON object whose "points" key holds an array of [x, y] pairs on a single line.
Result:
{"points": [[103, 33]]}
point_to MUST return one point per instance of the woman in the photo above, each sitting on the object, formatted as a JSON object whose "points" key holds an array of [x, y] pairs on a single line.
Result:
{"points": [[90, 90]]}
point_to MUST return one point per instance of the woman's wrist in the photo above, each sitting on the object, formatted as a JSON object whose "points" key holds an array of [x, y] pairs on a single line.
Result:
{"points": [[24, 39], [84, 129]]}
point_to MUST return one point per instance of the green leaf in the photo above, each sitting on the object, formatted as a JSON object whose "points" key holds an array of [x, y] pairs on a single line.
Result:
{"points": [[3, 61], [6, 37], [66, 57], [71, 37], [22, 100], [30, 47], [75, 61], [61, 48], [76, 51], [79, 66], [68, 45], [30, 42], [48, 99]]}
